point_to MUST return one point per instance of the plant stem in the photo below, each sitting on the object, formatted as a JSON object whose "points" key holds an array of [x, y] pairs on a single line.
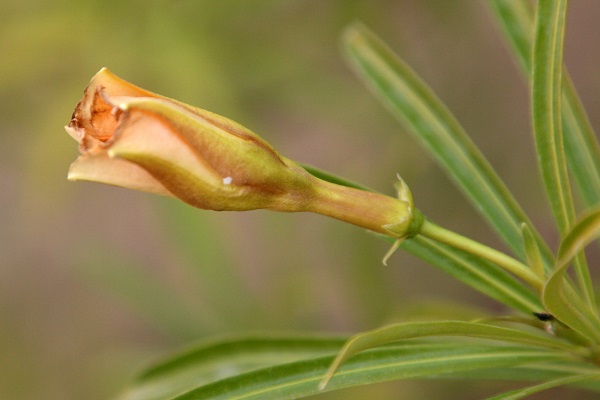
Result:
{"points": [[436, 232]]}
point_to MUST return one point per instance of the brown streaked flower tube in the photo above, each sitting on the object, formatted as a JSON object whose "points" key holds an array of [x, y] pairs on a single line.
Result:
{"points": [[136, 139]]}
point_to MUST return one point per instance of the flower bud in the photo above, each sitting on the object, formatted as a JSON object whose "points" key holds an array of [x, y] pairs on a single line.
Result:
{"points": [[136, 139]]}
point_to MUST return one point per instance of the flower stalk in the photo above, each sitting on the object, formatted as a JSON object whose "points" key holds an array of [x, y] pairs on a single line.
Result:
{"points": [[436, 232]]}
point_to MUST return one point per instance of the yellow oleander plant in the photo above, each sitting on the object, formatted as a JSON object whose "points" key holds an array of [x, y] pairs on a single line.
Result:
{"points": [[139, 140]]}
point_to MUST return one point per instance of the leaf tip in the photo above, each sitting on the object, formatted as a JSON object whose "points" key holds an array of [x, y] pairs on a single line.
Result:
{"points": [[331, 371]]}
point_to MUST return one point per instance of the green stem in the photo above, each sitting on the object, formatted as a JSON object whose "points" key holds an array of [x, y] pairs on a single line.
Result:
{"points": [[435, 232]]}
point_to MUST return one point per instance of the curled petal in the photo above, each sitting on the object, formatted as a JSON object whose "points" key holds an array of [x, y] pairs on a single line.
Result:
{"points": [[100, 168], [152, 143]]}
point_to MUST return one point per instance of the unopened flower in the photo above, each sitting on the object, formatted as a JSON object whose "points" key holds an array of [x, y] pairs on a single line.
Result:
{"points": [[136, 139]]}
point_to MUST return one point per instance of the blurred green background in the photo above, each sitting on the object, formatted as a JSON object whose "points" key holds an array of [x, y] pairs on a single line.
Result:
{"points": [[97, 281]]}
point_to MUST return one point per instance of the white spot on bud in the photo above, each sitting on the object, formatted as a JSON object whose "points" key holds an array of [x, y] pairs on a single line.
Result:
{"points": [[227, 180]]}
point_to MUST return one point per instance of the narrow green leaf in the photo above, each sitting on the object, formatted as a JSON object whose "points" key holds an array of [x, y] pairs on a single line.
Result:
{"points": [[517, 20], [213, 361], [557, 297], [538, 373], [392, 333], [326, 176], [409, 98], [528, 391], [546, 107], [581, 144], [586, 230], [300, 379], [534, 258], [547, 122]]}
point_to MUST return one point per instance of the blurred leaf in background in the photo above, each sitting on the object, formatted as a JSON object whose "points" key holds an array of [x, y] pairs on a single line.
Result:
{"points": [[95, 281]]}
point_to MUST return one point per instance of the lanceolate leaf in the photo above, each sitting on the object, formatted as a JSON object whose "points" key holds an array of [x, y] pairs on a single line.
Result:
{"points": [[557, 297], [547, 121], [392, 333], [534, 258], [516, 18], [586, 230], [213, 361], [326, 176], [581, 145], [301, 378], [409, 98], [546, 100], [539, 372]]}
